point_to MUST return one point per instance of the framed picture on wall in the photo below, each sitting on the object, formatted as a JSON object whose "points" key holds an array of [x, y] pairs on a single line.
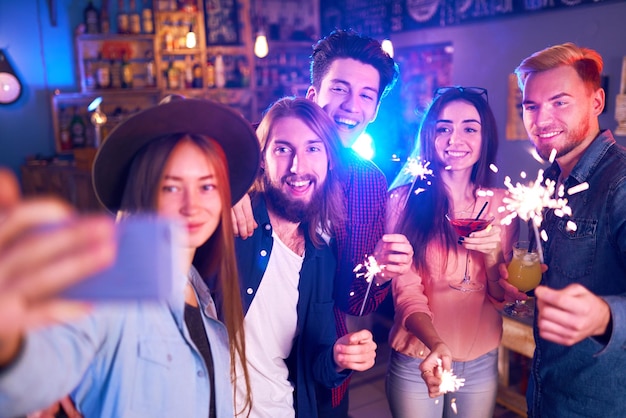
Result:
{"points": [[514, 120], [221, 19]]}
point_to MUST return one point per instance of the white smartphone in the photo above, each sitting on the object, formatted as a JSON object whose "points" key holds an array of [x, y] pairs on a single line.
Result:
{"points": [[145, 267]]}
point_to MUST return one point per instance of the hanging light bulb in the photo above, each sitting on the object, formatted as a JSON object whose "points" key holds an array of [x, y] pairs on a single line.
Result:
{"points": [[261, 48], [190, 39], [388, 47]]}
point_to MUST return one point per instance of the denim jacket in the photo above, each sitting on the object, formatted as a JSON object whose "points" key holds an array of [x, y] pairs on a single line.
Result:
{"points": [[587, 379], [123, 360]]}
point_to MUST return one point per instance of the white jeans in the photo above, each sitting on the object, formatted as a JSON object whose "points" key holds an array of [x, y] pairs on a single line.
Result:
{"points": [[408, 396]]}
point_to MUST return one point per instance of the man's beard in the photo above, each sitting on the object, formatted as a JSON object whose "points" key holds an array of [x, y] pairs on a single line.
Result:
{"points": [[293, 210], [573, 138]]}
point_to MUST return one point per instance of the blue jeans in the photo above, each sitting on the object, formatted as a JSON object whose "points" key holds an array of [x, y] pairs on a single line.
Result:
{"points": [[408, 395]]}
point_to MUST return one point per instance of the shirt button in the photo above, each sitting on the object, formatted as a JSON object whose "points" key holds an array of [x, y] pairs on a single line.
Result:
{"points": [[200, 373], [263, 253], [249, 291], [268, 227], [351, 293], [169, 357]]}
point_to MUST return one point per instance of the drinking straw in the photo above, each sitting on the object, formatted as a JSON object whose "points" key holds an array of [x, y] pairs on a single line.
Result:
{"points": [[482, 210]]}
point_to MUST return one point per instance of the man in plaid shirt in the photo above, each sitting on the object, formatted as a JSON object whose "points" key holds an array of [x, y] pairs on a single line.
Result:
{"points": [[350, 74]]}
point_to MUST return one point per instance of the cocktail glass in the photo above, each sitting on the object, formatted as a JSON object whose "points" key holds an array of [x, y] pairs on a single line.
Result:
{"points": [[464, 223], [525, 274]]}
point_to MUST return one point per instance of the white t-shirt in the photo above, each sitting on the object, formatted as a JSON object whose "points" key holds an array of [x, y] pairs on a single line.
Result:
{"points": [[270, 327]]}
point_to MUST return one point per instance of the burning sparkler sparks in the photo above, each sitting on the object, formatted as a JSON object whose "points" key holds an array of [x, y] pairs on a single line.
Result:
{"points": [[529, 202], [417, 169], [449, 381], [371, 268]]}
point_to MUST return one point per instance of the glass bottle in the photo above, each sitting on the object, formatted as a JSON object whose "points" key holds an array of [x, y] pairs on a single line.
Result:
{"points": [[220, 72], [92, 19], [116, 72], [105, 24], [77, 130], [127, 71], [146, 18], [150, 77], [103, 73], [123, 25], [134, 19], [173, 77]]}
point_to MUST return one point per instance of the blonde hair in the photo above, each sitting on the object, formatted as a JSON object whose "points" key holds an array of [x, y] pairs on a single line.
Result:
{"points": [[587, 63]]}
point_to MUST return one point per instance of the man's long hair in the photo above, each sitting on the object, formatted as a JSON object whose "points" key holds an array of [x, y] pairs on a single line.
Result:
{"points": [[332, 209]]}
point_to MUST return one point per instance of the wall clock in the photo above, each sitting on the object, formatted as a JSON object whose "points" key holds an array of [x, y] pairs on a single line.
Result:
{"points": [[10, 85]]}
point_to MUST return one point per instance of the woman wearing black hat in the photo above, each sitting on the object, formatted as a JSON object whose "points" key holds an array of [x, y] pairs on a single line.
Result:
{"points": [[174, 358]]}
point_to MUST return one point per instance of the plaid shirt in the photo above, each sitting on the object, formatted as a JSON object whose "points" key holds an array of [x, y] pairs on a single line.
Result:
{"points": [[365, 189]]}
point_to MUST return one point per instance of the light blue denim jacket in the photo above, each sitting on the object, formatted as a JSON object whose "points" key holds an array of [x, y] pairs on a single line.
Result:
{"points": [[123, 360], [587, 379]]}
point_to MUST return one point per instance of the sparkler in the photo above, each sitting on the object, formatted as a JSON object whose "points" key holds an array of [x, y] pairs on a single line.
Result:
{"points": [[372, 268], [528, 203], [449, 381], [417, 169]]}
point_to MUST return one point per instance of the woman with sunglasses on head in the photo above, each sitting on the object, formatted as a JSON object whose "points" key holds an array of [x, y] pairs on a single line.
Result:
{"points": [[179, 160], [438, 327]]}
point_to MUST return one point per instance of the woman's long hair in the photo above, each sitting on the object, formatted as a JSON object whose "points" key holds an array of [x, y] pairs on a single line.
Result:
{"points": [[214, 258], [423, 219], [332, 208]]}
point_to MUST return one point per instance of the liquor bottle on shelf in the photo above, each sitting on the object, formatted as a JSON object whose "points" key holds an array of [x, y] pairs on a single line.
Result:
{"points": [[197, 75], [90, 76], [127, 71], [220, 72], [123, 24], [168, 39], [103, 73], [134, 19], [150, 78], [78, 135], [64, 129], [210, 74], [188, 78], [105, 24], [173, 77], [146, 18], [92, 19], [116, 72]]}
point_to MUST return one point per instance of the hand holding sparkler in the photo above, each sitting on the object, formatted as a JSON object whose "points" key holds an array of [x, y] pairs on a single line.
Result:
{"points": [[437, 373], [392, 257], [368, 270], [557, 310], [355, 351]]}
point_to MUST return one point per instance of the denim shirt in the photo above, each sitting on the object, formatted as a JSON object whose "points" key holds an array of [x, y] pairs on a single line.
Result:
{"points": [[123, 360], [587, 379]]}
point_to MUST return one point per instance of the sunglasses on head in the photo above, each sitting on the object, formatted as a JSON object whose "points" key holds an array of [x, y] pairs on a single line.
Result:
{"points": [[474, 90]]}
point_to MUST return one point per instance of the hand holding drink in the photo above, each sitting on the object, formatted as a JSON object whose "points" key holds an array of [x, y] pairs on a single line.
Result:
{"points": [[525, 274], [464, 223]]}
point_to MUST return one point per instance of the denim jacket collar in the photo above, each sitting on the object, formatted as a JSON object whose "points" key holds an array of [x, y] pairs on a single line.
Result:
{"points": [[589, 160]]}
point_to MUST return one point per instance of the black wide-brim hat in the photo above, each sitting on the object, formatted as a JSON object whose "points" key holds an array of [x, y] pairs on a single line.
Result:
{"points": [[192, 116]]}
